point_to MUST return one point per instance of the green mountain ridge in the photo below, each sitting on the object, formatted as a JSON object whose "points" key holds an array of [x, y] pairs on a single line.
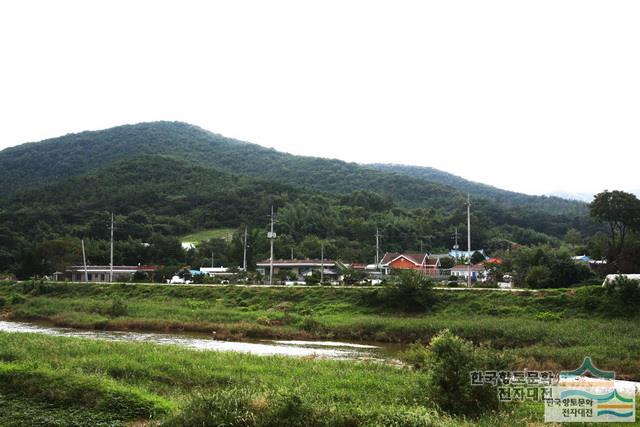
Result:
{"points": [[167, 179], [75, 154], [34, 164], [551, 204]]}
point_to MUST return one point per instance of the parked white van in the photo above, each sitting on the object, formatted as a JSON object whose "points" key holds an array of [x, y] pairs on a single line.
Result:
{"points": [[612, 277]]}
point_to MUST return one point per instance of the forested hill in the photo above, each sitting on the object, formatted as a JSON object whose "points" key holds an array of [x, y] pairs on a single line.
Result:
{"points": [[33, 164], [157, 198], [548, 204], [151, 194], [166, 179]]}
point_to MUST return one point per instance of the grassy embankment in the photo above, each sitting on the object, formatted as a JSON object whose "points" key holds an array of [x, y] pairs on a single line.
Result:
{"points": [[549, 330]]}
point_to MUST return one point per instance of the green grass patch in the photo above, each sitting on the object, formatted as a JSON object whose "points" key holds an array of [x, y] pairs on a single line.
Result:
{"points": [[204, 235]]}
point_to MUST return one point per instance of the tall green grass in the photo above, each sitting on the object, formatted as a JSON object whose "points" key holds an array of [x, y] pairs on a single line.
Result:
{"points": [[550, 329]]}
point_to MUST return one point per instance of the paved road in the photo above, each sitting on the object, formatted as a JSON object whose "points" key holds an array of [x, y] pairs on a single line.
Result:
{"points": [[460, 289]]}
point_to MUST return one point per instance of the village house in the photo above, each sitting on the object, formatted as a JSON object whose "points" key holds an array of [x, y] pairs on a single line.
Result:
{"points": [[300, 267], [421, 262], [478, 272], [101, 273]]}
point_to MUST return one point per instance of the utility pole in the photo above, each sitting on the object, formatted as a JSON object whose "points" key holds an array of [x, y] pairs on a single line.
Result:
{"points": [[111, 257], [377, 248], [212, 258], [291, 253], [321, 263], [244, 255], [84, 261], [271, 236], [468, 240]]}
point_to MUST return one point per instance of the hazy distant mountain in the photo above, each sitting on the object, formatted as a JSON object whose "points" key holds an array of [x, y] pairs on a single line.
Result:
{"points": [[552, 204], [582, 197]]}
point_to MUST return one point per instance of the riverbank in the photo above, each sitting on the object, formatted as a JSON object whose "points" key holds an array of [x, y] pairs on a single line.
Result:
{"points": [[63, 381], [551, 329]]}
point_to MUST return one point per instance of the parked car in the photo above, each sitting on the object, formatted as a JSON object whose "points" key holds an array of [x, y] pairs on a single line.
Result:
{"points": [[177, 280]]}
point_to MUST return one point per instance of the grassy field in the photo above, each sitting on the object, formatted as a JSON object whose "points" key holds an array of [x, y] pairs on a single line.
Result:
{"points": [[549, 330], [204, 235], [70, 381], [56, 381]]}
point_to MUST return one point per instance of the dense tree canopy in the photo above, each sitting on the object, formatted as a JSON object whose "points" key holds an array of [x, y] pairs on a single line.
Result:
{"points": [[621, 212], [164, 180]]}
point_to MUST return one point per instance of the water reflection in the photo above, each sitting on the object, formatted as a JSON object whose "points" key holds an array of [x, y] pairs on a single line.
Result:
{"points": [[321, 349]]}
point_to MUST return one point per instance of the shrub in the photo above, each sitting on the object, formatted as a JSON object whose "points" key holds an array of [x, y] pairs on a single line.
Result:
{"points": [[624, 292], [538, 277], [310, 324], [140, 277], [118, 308], [416, 355], [448, 362], [17, 299], [411, 292], [313, 278]]}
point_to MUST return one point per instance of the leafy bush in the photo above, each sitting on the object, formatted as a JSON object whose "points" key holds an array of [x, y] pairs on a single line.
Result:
{"points": [[416, 355], [538, 277], [310, 324], [411, 292], [140, 277], [448, 362], [625, 293], [313, 278], [118, 308], [17, 299]]}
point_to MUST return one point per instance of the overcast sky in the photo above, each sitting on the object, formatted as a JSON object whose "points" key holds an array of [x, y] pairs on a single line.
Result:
{"points": [[534, 96]]}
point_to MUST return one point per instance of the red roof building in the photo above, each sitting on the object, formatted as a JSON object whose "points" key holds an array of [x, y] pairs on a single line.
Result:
{"points": [[410, 261]]}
